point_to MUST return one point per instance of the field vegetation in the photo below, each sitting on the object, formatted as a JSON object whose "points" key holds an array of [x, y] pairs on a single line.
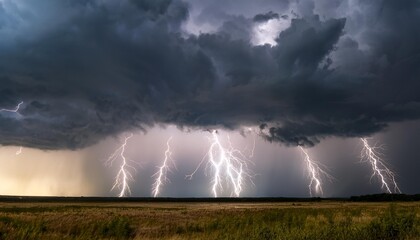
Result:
{"points": [[283, 220]]}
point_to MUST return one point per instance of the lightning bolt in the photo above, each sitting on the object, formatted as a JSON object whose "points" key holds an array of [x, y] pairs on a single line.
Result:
{"points": [[372, 155], [315, 173], [253, 148], [123, 176], [251, 130], [161, 174], [19, 151], [228, 164], [15, 110]]}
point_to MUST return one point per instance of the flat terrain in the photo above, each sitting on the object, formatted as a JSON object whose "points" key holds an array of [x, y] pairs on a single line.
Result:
{"points": [[324, 219]]}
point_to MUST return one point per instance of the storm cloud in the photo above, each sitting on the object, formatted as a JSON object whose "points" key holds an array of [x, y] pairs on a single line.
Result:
{"points": [[264, 17], [89, 69]]}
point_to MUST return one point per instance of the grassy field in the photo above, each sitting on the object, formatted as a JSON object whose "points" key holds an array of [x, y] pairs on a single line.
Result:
{"points": [[283, 220]]}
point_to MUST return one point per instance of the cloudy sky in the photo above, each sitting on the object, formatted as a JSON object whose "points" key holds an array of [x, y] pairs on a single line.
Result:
{"points": [[274, 74]]}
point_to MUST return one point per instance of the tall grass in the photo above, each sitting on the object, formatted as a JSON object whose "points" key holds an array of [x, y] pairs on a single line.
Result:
{"points": [[213, 221]]}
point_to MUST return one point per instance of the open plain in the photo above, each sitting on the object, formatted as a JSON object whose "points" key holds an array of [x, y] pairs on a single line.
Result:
{"points": [[321, 219]]}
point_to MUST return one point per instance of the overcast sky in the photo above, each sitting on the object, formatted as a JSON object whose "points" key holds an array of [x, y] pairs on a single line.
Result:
{"points": [[300, 73]]}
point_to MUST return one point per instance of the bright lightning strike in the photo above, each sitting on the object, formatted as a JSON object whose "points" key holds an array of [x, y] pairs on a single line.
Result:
{"points": [[161, 174], [123, 176], [15, 110], [386, 176], [229, 166], [315, 173], [19, 151]]}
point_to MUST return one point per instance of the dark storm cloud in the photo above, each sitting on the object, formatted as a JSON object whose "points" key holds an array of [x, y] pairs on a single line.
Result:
{"points": [[91, 69], [264, 17]]}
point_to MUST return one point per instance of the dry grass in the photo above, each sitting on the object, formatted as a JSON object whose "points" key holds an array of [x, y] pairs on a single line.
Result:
{"points": [[312, 220]]}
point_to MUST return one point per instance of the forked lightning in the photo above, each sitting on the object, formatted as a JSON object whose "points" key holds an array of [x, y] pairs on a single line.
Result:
{"points": [[315, 173], [161, 174], [372, 155], [124, 175], [229, 166]]}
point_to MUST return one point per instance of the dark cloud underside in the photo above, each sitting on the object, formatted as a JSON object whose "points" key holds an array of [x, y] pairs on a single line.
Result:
{"points": [[264, 17]]}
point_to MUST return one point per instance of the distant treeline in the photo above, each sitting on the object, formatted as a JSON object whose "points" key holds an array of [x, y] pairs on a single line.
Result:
{"points": [[365, 198], [384, 197]]}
